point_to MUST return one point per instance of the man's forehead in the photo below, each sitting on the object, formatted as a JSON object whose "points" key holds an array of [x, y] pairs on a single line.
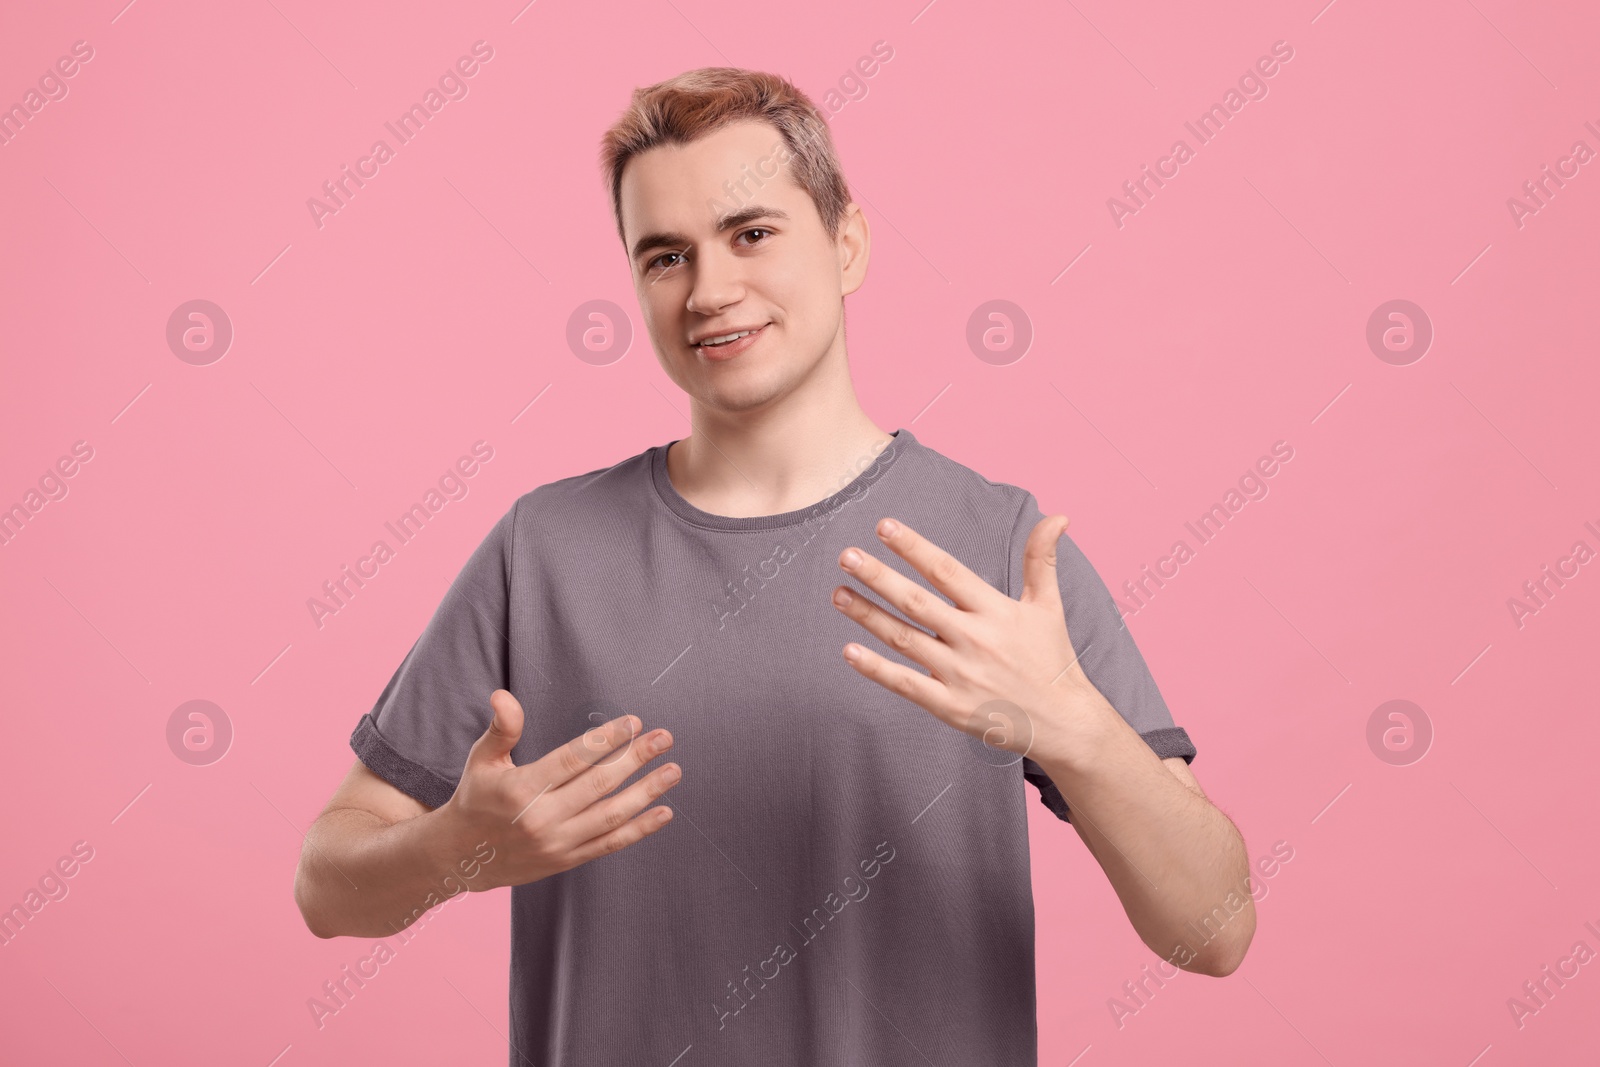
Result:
{"points": [[742, 141], [698, 184]]}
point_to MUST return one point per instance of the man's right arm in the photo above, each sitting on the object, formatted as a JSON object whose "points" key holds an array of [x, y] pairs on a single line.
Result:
{"points": [[376, 859], [371, 859]]}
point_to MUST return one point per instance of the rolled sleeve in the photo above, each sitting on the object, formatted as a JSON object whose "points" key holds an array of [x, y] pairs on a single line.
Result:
{"points": [[436, 704]]}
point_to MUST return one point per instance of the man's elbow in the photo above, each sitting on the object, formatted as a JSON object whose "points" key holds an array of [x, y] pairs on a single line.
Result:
{"points": [[1217, 964], [316, 928], [303, 901], [1224, 955]]}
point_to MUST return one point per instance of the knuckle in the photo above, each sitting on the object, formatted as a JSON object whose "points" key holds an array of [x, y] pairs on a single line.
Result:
{"points": [[556, 843], [524, 797], [902, 637], [545, 852], [944, 568], [594, 743], [571, 761], [534, 827], [917, 601], [983, 639], [533, 840]]}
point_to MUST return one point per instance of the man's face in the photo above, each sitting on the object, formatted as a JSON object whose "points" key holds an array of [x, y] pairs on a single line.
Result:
{"points": [[710, 258]]}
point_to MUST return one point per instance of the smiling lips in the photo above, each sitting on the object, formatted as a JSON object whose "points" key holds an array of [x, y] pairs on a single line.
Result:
{"points": [[732, 344]]}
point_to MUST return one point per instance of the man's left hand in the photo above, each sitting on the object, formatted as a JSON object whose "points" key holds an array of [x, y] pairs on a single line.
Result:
{"points": [[1001, 670]]}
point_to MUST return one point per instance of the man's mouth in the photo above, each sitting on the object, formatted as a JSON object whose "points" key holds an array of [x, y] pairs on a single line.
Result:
{"points": [[728, 344]]}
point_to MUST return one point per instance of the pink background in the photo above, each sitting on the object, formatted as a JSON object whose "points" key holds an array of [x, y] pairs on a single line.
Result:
{"points": [[1227, 314]]}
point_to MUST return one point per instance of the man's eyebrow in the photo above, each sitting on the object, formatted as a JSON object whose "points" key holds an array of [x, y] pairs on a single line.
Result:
{"points": [[725, 222]]}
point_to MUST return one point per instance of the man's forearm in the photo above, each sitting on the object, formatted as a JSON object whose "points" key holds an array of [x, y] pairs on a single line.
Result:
{"points": [[362, 877], [1171, 855]]}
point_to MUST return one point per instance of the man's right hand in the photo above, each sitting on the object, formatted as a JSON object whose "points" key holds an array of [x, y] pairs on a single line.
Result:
{"points": [[552, 814]]}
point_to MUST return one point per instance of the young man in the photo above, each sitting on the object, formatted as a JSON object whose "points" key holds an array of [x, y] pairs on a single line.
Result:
{"points": [[850, 882]]}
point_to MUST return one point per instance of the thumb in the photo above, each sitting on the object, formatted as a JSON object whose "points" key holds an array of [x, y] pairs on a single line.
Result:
{"points": [[505, 730], [1041, 580]]}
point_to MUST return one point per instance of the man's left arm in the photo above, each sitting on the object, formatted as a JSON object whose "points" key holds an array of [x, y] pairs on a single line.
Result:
{"points": [[1177, 863], [1006, 671]]}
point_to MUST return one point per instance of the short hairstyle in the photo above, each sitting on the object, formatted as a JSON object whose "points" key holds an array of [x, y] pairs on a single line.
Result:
{"points": [[698, 102]]}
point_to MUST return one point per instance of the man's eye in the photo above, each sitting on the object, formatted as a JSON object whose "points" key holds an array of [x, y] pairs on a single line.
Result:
{"points": [[652, 264], [757, 229]]}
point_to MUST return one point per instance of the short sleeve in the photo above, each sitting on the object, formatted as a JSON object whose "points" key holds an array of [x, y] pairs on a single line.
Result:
{"points": [[1106, 651], [436, 704]]}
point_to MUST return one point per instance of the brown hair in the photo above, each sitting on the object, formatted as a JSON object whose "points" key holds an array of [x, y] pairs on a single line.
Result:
{"points": [[698, 102]]}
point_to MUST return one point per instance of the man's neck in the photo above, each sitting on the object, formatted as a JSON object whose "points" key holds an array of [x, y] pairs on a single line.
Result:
{"points": [[774, 464]]}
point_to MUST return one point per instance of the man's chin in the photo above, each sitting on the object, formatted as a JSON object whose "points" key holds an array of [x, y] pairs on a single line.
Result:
{"points": [[742, 397]]}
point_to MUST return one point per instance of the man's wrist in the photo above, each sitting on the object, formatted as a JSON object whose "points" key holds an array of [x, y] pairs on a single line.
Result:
{"points": [[1077, 739], [455, 851]]}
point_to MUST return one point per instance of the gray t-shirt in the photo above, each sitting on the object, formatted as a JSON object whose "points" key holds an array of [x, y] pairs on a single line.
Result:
{"points": [[846, 878]]}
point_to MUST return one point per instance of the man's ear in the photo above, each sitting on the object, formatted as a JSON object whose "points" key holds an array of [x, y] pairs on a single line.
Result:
{"points": [[855, 248]]}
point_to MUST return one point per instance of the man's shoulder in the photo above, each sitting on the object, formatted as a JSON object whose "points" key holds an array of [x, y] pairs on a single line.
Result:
{"points": [[960, 485], [600, 492]]}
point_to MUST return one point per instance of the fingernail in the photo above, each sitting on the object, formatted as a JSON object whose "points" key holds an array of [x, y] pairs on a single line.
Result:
{"points": [[888, 528], [842, 597], [851, 559], [659, 744]]}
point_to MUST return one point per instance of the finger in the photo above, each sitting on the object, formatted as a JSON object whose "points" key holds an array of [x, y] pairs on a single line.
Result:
{"points": [[598, 781], [946, 573], [629, 833], [612, 813], [895, 632], [912, 600], [1041, 580], [599, 745], [915, 686], [505, 730]]}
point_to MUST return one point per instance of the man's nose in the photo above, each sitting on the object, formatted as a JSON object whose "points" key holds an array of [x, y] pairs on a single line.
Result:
{"points": [[718, 282]]}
